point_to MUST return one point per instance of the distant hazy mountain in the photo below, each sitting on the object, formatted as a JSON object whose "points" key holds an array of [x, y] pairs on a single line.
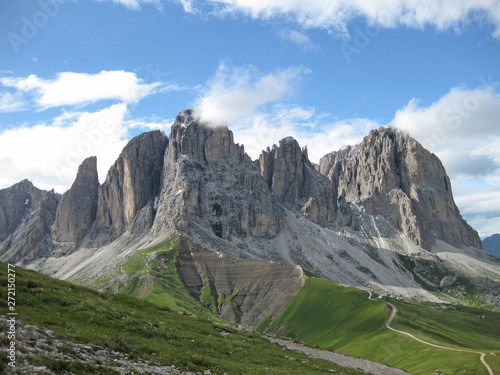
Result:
{"points": [[492, 244]]}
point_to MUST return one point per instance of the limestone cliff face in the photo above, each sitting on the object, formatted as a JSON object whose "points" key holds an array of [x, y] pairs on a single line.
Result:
{"points": [[294, 181], [246, 291], [77, 210], [15, 203], [26, 216], [208, 177], [391, 174], [131, 185]]}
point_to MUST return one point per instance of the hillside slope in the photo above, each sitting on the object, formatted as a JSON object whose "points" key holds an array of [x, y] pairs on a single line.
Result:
{"points": [[346, 321], [77, 324]]}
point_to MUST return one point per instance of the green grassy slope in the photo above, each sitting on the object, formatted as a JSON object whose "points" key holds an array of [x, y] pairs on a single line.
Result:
{"points": [[344, 320], [330, 316], [145, 331], [151, 274]]}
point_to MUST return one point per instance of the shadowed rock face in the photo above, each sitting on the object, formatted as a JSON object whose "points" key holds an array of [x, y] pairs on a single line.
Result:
{"points": [[78, 207], [260, 289], [132, 183], [208, 177], [293, 180], [26, 216], [391, 174]]}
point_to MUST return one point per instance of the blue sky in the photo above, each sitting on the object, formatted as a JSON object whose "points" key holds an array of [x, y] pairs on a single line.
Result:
{"points": [[80, 78]]}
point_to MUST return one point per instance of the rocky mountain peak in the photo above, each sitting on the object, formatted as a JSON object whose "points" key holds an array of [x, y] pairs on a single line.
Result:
{"points": [[15, 203], [288, 173], [208, 176], [201, 141], [393, 175], [26, 216], [131, 184], [77, 210]]}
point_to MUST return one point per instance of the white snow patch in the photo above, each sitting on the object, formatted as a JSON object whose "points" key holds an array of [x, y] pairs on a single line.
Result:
{"points": [[155, 204], [379, 236], [358, 207], [27, 202], [179, 192]]}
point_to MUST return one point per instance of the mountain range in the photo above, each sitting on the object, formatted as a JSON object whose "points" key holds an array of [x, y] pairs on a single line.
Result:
{"points": [[492, 244], [378, 216]]}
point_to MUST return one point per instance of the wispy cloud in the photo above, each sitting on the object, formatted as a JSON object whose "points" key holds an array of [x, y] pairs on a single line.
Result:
{"points": [[237, 92], [334, 15], [69, 88], [299, 38], [12, 102], [136, 4]]}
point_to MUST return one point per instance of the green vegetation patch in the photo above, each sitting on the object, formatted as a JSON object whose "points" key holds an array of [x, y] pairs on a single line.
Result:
{"points": [[207, 297], [60, 366], [264, 325], [223, 300]]}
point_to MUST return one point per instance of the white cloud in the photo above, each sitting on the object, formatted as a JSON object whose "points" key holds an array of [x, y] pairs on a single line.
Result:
{"points": [[136, 4], [186, 4], [11, 102], [298, 38], [49, 154], [69, 88], [335, 14], [237, 92], [482, 210]]}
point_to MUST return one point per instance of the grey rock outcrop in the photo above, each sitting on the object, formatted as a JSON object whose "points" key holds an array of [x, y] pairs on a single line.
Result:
{"points": [[391, 174], [293, 180], [246, 291], [15, 203], [448, 281], [208, 177], [131, 184], [77, 210], [34, 210]]}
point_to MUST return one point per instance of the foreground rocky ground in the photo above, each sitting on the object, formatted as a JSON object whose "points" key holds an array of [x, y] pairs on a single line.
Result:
{"points": [[41, 352]]}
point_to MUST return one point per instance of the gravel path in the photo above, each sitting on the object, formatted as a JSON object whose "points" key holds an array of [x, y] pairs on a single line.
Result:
{"points": [[339, 359]]}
